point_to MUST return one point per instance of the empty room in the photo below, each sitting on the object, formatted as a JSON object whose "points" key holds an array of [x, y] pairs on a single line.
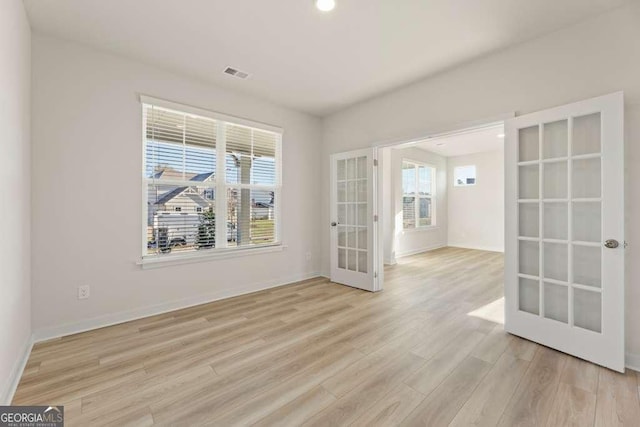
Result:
{"points": [[319, 212]]}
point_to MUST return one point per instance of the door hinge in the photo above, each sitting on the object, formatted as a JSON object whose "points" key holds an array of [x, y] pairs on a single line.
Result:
{"points": [[375, 162], [375, 218], [375, 275]]}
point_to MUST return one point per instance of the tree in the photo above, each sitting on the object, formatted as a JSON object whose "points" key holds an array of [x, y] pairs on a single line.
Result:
{"points": [[206, 238]]}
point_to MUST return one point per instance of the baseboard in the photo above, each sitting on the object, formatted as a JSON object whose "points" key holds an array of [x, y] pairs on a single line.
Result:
{"points": [[419, 250], [45, 334], [478, 248], [9, 389], [390, 261], [632, 361]]}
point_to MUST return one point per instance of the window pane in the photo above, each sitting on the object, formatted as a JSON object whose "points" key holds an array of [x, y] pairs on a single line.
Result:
{"points": [[250, 156], [408, 178], [409, 212], [464, 175], [179, 146], [424, 180], [250, 217], [424, 211], [180, 219]]}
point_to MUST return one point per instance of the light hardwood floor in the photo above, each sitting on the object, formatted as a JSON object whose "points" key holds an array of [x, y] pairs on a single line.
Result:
{"points": [[317, 353]]}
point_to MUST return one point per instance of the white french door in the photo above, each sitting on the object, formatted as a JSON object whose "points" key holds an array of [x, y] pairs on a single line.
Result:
{"points": [[564, 257], [353, 249]]}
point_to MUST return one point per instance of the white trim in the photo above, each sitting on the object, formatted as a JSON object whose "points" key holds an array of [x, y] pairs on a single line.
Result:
{"points": [[15, 375], [422, 228], [157, 261], [478, 248], [184, 108], [45, 334], [419, 250], [632, 361]]}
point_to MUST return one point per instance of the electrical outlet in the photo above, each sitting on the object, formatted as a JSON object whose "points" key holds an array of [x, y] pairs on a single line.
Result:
{"points": [[309, 256], [83, 292]]}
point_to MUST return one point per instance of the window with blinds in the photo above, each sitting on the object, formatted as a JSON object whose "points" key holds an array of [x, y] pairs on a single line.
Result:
{"points": [[210, 184], [418, 195]]}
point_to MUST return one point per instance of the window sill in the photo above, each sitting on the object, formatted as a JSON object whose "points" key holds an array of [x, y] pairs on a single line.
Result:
{"points": [[423, 228], [158, 261]]}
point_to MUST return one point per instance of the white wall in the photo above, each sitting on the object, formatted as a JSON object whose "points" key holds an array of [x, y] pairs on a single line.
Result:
{"points": [[476, 212], [15, 193], [412, 241], [87, 152], [595, 57]]}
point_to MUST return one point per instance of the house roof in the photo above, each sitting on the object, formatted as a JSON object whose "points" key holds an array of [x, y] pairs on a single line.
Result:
{"points": [[179, 190]]}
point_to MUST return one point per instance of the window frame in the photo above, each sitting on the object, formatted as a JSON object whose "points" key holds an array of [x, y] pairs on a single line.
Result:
{"points": [[432, 197], [475, 178], [219, 185]]}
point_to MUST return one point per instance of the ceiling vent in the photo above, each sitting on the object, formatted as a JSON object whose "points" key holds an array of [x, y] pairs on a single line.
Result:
{"points": [[236, 73]]}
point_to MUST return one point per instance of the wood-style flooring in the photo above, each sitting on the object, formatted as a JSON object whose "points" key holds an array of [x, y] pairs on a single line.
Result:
{"points": [[426, 351]]}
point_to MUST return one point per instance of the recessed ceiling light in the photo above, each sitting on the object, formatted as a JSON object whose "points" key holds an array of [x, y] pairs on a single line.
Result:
{"points": [[500, 135], [325, 5]]}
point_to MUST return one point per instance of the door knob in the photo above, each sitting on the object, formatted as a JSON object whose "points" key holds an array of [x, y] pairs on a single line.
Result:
{"points": [[611, 244], [333, 224]]}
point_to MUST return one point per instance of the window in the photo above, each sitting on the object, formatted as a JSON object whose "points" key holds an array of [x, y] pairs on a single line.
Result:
{"points": [[418, 195], [211, 183], [464, 176]]}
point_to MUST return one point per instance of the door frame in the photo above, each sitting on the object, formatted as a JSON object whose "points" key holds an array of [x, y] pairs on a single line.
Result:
{"points": [[437, 132]]}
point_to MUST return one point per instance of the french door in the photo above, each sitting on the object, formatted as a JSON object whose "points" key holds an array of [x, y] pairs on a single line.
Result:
{"points": [[564, 258], [353, 251]]}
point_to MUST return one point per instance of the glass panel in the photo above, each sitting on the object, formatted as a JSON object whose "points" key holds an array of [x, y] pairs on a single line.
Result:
{"points": [[529, 143], [362, 190], [555, 261], [556, 221], [342, 169], [250, 216], [408, 178], [424, 180], [342, 258], [362, 261], [587, 223], [556, 140], [408, 212], [587, 309], [529, 222], [351, 214], [587, 265], [362, 167], [528, 182], [362, 238], [351, 191], [180, 219], [586, 178], [362, 214], [556, 302], [342, 192], [424, 211], [352, 237], [351, 168], [529, 255], [464, 175], [342, 214], [529, 296], [342, 236], [250, 155], [352, 260], [555, 180], [586, 134]]}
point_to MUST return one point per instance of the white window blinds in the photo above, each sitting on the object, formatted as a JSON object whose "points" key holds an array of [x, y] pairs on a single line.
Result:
{"points": [[194, 204]]}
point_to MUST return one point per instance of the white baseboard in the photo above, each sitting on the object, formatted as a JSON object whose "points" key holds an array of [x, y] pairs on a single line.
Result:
{"points": [[419, 250], [478, 248], [390, 261], [48, 333], [9, 389], [632, 361]]}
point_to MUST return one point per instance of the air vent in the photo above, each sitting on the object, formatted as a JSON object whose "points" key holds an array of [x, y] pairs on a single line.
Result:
{"points": [[236, 73]]}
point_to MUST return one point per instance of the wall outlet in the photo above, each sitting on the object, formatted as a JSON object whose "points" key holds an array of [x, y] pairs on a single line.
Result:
{"points": [[83, 292], [309, 256]]}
